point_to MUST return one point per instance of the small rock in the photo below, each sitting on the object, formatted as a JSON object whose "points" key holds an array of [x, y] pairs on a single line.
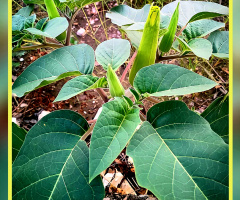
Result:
{"points": [[42, 114], [130, 160], [23, 105], [33, 121], [108, 177], [94, 11], [127, 189], [15, 121], [151, 198], [81, 32], [14, 78], [92, 21]]}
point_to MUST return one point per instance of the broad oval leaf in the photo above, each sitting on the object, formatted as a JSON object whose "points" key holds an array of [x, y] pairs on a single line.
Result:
{"points": [[41, 23], [178, 156], [190, 11], [18, 136], [124, 15], [63, 62], [220, 43], [217, 114], [80, 84], [25, 11], [135, 94], [52, 29], [20, 22], [113, 52], [167, 80], [115, 87], [201, 28], [199, 46], [114, 128], [53, 161], [134, 36]]}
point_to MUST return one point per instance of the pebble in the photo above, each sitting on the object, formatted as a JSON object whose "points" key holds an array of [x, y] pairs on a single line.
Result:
{"points": [[81, 32], [42, 114]]}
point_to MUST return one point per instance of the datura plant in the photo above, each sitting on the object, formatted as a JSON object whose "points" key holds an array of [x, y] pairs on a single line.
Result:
{"points": [[177, 153]]}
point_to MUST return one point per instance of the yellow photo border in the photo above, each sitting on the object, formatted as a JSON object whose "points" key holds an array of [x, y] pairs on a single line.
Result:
{"points": [[230, 98]]}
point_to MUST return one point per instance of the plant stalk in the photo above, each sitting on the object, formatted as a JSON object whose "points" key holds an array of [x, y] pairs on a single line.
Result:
{"points": [[182, 29], [128, 66], [142, 116], [70, 27], [102, 94], [89, 131]]}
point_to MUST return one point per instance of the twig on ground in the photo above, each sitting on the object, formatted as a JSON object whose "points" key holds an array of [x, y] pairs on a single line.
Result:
{"points": [[152, 99], [175, 57], [33, 47]]}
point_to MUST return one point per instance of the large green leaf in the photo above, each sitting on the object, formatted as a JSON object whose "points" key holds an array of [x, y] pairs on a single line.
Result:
{"points": [[20, 22], [217, 114], [134, 36], [178, 156], [80, 84], [125, 15], [25, 11], [167, 40], [53, 161], [52, 29], [201, 28], [63, 62], [114, 128], [199, 46], [220, 43], [190, 11], [167, 80], [113, 52], [18, 136], [136, 18], [41, 23]]}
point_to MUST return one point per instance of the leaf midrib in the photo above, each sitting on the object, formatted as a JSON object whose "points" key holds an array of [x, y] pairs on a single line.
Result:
{"points": [[179, 162]]}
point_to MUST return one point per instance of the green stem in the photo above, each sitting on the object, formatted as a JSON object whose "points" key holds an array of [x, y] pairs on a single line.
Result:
{"points": [[53, 13], [69, 31], [51, 9]]}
